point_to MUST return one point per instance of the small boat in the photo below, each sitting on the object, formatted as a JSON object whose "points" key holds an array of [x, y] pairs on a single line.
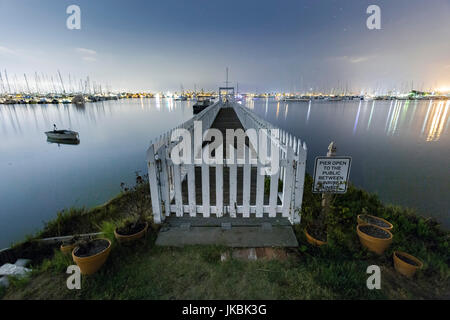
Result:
{"points": [[202, 103], [296, 99], [78, 99], [58, 135]]}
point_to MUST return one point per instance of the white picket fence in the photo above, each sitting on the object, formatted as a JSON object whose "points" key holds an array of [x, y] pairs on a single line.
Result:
{"points": [[166, 177]]}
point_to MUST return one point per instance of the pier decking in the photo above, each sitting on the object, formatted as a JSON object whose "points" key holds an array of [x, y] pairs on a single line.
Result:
{"points": [[226, 119]]}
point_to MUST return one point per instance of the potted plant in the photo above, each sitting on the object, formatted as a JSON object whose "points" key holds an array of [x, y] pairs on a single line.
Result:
{"points": [[316, 225], [406, 264], [69, 244], [91, 254], [377, 221], [374, 238], [135, 227]]}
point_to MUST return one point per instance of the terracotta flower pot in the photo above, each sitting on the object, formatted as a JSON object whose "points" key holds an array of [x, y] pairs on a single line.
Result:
{"points": [[67, 248], [375, 244], [312, 240], [361, 220], [405, 268], [91, 264], [131, 237]]}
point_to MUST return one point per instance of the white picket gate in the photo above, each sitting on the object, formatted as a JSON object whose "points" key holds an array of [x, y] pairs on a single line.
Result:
{"points": [[166, 177]]}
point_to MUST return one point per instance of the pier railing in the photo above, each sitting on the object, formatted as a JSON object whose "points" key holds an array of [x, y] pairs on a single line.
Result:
{"points": [[170, 180]]}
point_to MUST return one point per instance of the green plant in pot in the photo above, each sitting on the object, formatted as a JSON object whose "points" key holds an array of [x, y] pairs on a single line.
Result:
{"points": [[136, 225], [316, 227], [90, 254], [69, 244], [315, 217]]}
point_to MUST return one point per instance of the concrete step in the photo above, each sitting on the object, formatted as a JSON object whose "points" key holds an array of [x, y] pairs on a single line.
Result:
{"points": [[236, 237]]}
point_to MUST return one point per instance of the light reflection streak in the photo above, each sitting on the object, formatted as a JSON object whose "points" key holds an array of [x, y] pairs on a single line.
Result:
{"points": [[413, 114], [397, 116], [357, 118], [426, 117], [286, 111], [394, 118], [437, 121], [371, 114], [389, 113], [309, 112], [278, 110]]}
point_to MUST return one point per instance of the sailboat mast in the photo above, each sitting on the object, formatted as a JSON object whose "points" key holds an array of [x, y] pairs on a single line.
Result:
{"points": [[3, 85], [36, 81], [26, 81], [62, 84], [226, 82], [7, 82]]}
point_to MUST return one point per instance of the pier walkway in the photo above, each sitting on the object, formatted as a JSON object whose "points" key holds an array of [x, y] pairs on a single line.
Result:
{"points": [[228, 204]]}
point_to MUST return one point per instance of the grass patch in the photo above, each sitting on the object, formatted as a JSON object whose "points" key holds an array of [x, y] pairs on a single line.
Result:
{"points": [[141, 270]]}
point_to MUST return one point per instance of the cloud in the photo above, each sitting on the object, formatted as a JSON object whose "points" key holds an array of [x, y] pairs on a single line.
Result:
{"points": [[86, 51], [5, 50], [353, 59], [89, 59]]}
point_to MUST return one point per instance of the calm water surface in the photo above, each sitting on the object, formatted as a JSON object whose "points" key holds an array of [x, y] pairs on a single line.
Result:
{"points": [[400, 150]]}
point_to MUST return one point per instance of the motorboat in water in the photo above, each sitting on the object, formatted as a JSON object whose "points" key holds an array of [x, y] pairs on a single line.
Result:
{"points": [[202, 103], [62, 135]]}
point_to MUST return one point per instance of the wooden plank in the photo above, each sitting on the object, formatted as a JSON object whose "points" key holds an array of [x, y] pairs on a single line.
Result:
{"points": [[219, 186], [154, 185], [273, 197], [299, 184], [259, 190], [233, 183], [283, 142], [246, 183], [164, 179], [288, 183], [205, 190], [191, 190], [178, 197]]}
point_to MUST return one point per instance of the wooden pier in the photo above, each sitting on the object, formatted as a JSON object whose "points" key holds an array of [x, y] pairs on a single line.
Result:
{"points": [[228, 202]]}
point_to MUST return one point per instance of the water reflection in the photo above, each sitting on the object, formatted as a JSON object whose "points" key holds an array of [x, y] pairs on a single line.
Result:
{"points": [[397, 145], [371, 114], [357, 118], [438, 117], [59, 142], [115, 136], [309, 112], [401, 116]]}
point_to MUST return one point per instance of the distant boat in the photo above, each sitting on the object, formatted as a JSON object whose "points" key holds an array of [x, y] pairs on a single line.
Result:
{"points": [[296, 99], [62, 135], [202, 103], [181, 98], [334, 98], [78, 99]]}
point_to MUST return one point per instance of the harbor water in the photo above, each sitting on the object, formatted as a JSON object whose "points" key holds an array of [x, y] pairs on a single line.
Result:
{"points": [[400, 151]]}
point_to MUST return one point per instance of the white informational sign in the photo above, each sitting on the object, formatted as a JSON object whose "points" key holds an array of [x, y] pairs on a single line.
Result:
{"points": [[331, 174]]}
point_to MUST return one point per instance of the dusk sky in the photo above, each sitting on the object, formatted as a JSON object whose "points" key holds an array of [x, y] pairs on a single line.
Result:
{"points": [[268, 45]]}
